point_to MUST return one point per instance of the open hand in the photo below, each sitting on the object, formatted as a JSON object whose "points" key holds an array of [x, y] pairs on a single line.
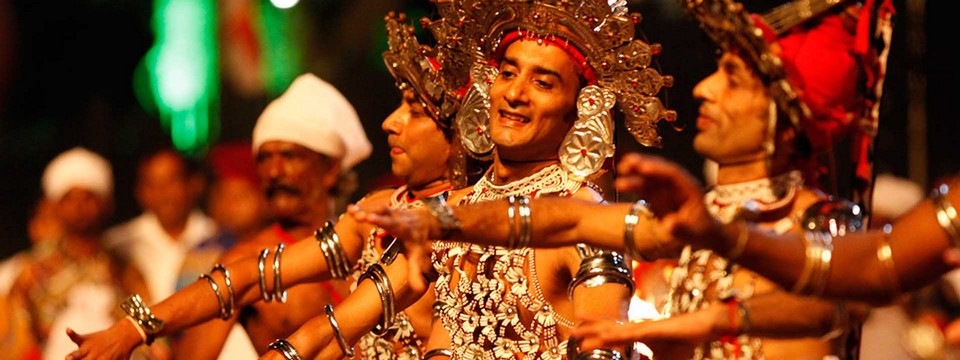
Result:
{"points": [[117, 342], [413, 228]]}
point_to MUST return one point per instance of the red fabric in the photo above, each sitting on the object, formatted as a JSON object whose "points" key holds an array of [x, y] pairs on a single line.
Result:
{"points": [[821, 65], [234, 160], [285, 238], [578, 58]]}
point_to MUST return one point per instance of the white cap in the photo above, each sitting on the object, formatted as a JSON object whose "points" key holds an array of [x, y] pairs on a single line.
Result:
{"points": [[77, 167], [312, 113]]}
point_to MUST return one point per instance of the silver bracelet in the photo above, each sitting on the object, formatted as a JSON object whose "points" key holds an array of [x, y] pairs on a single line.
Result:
{"points": [[630, 222], [333, 253], [226, 280], [347, 350], [216, 292], [605, 267], [437, 352], [378, 275], [511, 221], [142, 317], [285, 348], [264, 294], [525, 226], [278, 292]]}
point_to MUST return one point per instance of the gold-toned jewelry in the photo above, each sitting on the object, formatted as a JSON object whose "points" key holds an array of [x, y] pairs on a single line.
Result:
{"points": [[216, 292], [143, 317], [630, 222], [742, 236], [333, 253], [264, 294], [285, 348], [946, 214], [885, 256], [226, 280], [813, 251], [437, 352], [822, 275], [347, 350], [278, 292]]}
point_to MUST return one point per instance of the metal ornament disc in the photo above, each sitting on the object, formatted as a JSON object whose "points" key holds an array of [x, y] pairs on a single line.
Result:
{"points": [[590, 142], [473, 119]]}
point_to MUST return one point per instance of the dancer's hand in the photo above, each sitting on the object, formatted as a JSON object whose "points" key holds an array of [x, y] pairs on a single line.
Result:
{"points": [[674, 195], [117, 342], [414, 228]]}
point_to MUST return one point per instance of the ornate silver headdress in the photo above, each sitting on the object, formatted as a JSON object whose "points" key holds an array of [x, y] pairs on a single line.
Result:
{"points": [[415, 66], [617, 68]]}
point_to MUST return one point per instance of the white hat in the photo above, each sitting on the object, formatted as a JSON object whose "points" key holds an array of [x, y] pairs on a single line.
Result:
{"points": [[77, 167], [312, 113]]}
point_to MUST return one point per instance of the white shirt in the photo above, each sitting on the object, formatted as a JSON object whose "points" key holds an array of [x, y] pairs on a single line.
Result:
{"points": [[159, 257]]}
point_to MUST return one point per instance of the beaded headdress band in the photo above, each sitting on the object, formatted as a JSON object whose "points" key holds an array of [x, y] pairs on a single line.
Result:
{"points": [[601, 32]]}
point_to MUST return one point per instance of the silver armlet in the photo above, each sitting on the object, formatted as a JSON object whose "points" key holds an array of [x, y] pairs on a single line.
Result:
{"points": [[605, 267], [285, 348], [520, 231], [142, 317], [437, 352], [278, 292], [946, 214], [378, 275], [264, 294], [841, 321], [333, 252], [347, 350], [630, 228]]}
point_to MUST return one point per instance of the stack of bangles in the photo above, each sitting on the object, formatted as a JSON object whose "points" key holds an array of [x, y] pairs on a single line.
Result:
{"points": [[226, 307], [279, 292], [378, 275], [602, 268], [337, 261], [143, 320], [519, 220], [816, 269]]}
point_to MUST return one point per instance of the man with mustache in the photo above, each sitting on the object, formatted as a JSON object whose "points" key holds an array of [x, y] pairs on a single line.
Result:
{"points": [[305, 143], [424, 155]]}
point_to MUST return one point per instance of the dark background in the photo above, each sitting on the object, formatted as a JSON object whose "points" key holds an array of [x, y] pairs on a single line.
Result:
{"points": [[66, 72]]}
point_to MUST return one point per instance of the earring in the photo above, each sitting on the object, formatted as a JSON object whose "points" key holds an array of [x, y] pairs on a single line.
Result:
{"points": [[590, 141], [473, 119]]}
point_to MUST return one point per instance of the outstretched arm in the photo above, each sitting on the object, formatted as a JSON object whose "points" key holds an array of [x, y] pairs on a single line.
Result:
{"points": [[771, 315], [303, 261], [356, 316], [870, 266]]}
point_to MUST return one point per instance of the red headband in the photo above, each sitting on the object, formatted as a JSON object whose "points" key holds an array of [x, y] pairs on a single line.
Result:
{"points": [[579, 60]]}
